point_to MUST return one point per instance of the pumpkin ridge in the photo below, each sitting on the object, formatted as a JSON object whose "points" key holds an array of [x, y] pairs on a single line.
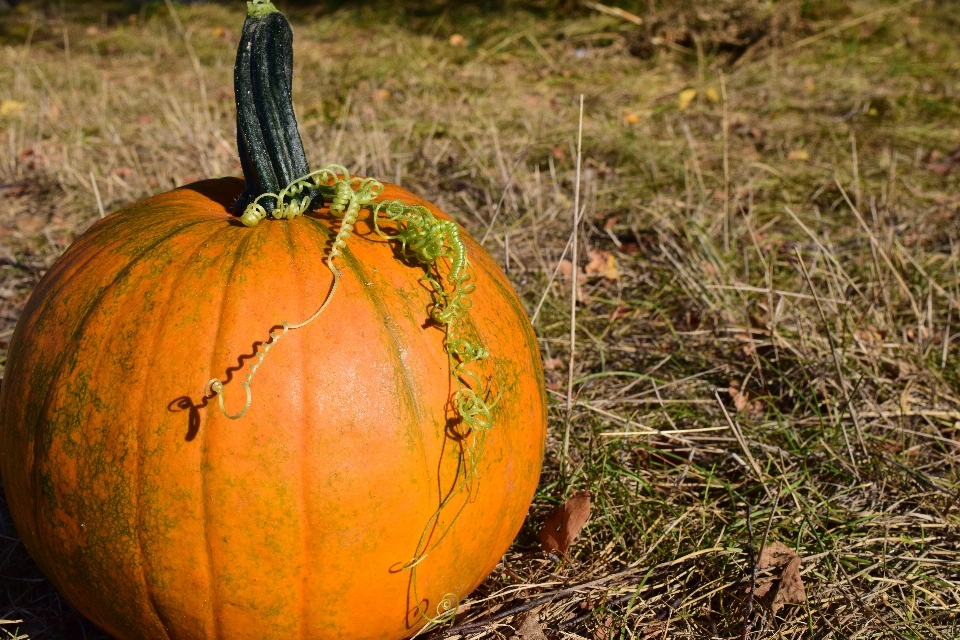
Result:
{"points": [[138, 478], [356, 267], [56, 370], [215, 603], [304, 440], [412, 389]]}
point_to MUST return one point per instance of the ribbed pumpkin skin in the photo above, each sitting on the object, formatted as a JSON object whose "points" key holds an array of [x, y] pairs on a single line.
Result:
{"points": [[157, 517]]}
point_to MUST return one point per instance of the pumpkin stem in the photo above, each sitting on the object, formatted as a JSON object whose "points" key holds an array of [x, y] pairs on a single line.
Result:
{"points": [[271, 151]]}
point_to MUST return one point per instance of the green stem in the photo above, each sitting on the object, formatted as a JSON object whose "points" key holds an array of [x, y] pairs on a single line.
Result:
{"points": [[271, 151]]}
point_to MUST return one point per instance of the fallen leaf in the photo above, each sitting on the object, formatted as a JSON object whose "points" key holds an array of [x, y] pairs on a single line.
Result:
{"points": [[610, 223], [942, 167], [798, 155], [552, 363], [631, 118], [739, 398], [602, 263], [602, 632], [789, 586], [622, 311], [457, 40], [566, 268], [11, 108], [564, 523], [685, 98], [528, 627], [712, 95]]}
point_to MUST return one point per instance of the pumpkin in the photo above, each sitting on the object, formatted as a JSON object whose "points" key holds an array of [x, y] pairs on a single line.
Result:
{"points": [[351, 499]]}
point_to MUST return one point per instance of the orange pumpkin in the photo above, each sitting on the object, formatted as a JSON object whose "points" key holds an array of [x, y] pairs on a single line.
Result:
{"points": [[352, 497], [156, 516]]}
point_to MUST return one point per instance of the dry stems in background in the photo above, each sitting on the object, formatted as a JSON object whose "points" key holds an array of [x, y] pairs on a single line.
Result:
{"points": [[768, 258]]}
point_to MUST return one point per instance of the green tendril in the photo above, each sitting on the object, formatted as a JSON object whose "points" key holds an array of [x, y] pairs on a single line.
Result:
{"points": [[437, 246], [434, 243], [346, 204]]}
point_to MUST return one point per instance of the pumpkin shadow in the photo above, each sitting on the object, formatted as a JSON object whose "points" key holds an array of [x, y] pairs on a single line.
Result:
{"points": [[223, 191], [186, 403]]}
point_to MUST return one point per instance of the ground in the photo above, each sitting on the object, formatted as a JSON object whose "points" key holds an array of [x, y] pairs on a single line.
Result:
{"points": [[767, 285]]}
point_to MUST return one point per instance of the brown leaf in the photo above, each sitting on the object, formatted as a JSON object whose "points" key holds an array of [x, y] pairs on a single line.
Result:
{"points": [[564, 523], [552, 363], [763, 588], [528, 627], [602, 263], [775, 554], [602, 632], [622, 311], [946, 165], [739, 398], [789, 587]]}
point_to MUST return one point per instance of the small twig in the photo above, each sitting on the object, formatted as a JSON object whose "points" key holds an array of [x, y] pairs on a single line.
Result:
{"points": [[916, 474], [197, 67], [496, 210], [883, 254], [96, 193], [574, 280], [946, 334], [616, 12], [743, 443], [848, 24], [773, 510], [836, 362], [754, 568], [553, 276], [726, 165]]}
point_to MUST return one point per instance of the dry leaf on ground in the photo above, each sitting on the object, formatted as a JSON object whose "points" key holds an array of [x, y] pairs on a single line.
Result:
{"points": [[685, 98], [943, 167], [528, 627], [564, 523], [602, 632], [788, 587], [602, 263]]}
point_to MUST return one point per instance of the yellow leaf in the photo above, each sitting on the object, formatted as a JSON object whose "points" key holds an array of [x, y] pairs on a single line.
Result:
{"points": [[712, 95], [685, 98], [631, 118], [11, 108], [457, 40], [798, 155]]}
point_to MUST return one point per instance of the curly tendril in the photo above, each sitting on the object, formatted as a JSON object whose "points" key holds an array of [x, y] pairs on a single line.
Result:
{"points": [[437, 246], [435, 243], [346, 204]]}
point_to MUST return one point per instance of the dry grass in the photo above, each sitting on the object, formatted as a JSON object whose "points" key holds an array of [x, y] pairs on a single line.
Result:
{"points": [[784, 257]]}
